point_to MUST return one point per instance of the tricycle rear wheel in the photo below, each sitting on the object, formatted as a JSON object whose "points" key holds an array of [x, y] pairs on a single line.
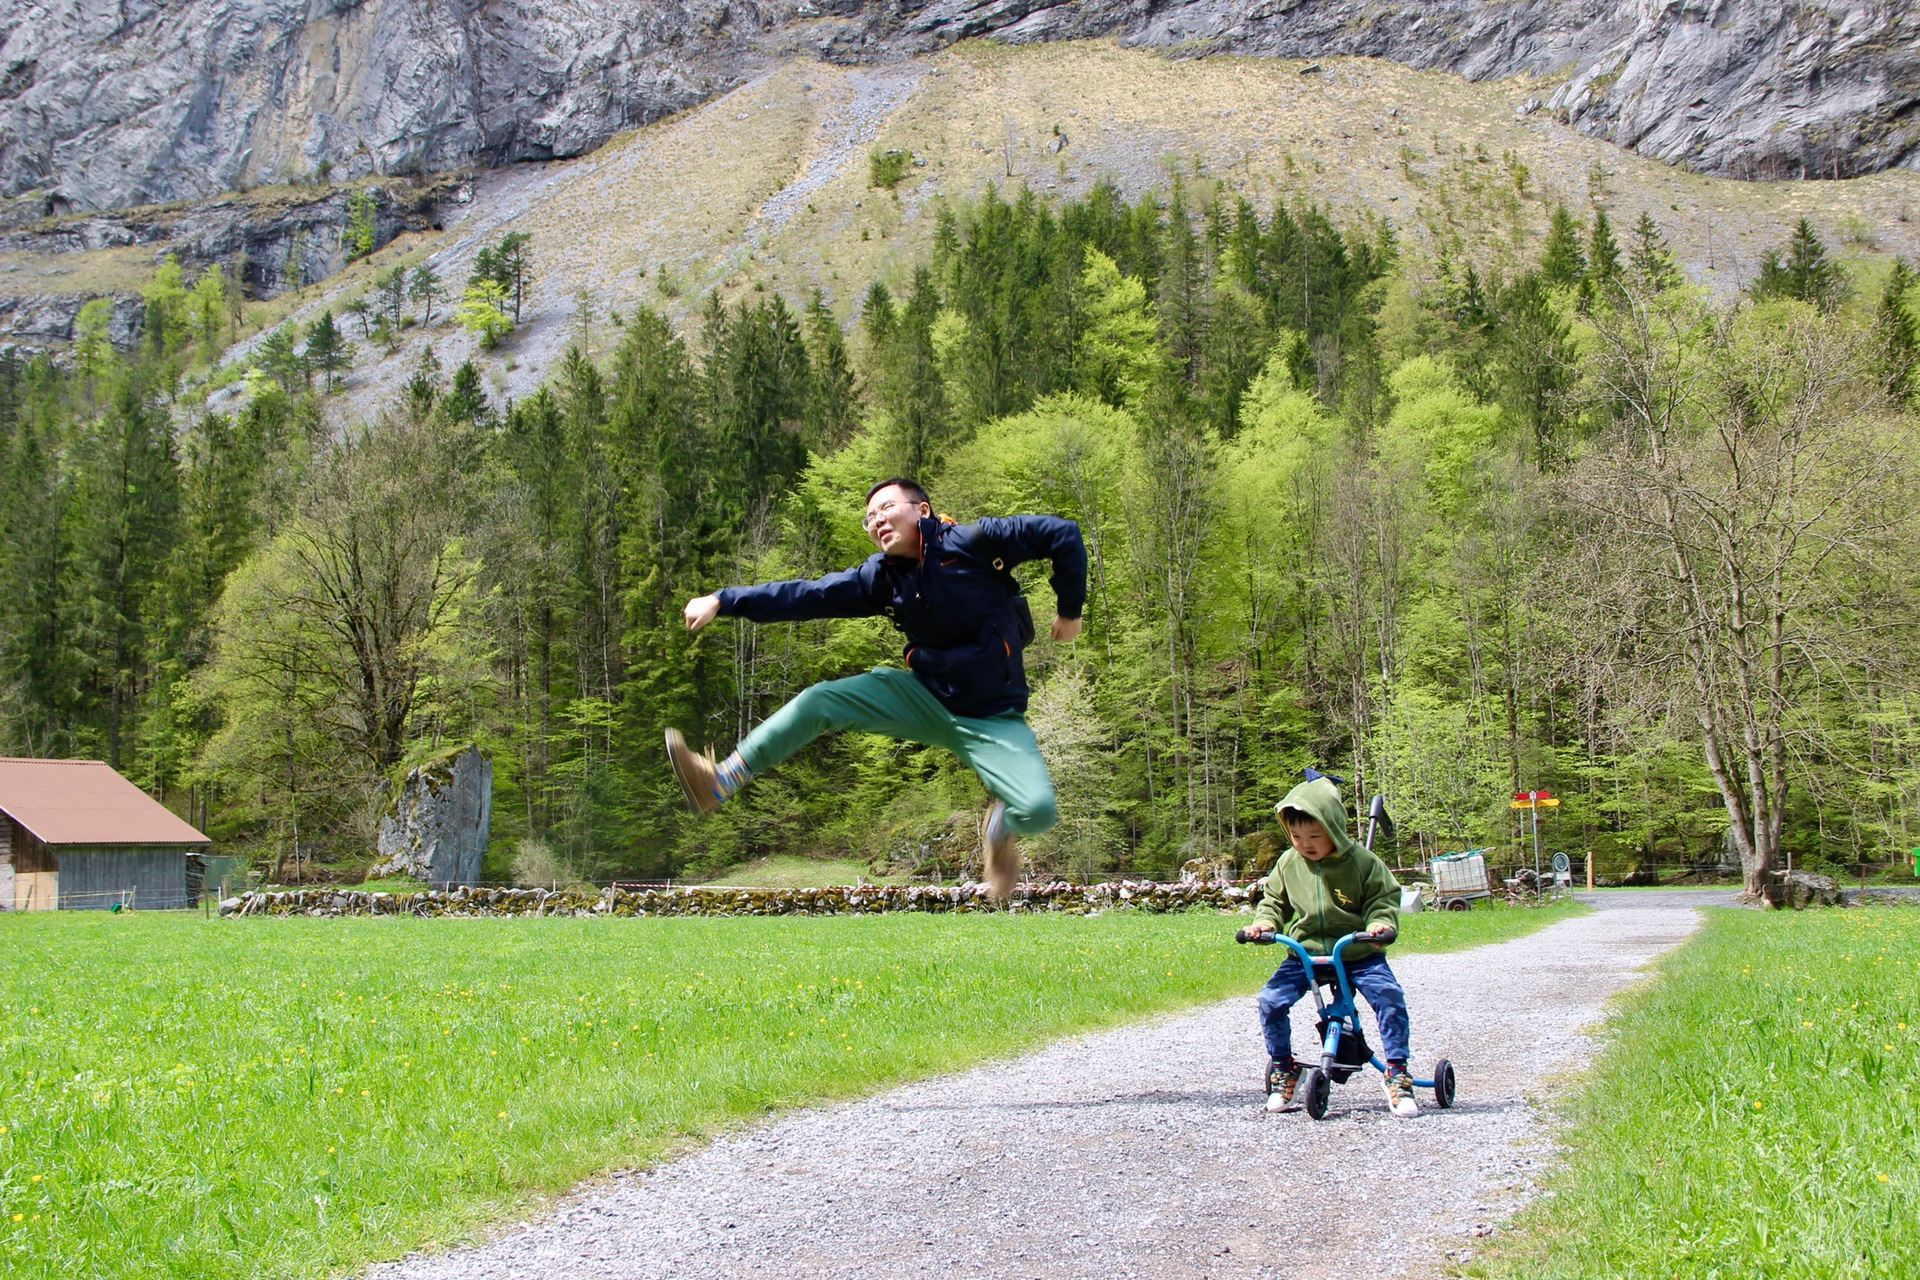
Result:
{"points": [[1443, 1083]]}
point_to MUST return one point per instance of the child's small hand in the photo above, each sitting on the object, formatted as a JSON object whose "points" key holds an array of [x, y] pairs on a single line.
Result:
{"points": [[1259, 929]]}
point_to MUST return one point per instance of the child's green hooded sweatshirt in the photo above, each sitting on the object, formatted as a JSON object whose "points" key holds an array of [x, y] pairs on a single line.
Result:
{"points": [[1347, 891]]}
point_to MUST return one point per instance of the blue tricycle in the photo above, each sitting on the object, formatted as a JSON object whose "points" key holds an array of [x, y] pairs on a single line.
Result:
{"points": [[1343, 1047]]}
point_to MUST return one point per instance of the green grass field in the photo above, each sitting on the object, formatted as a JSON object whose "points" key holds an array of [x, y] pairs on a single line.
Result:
{"points": [[183, 1097], [1753, 1115]]}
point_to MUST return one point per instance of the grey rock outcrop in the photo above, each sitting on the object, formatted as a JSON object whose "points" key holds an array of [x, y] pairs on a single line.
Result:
{"points": [[438, 830], [38, 321], [283, 242], [102, 106]]}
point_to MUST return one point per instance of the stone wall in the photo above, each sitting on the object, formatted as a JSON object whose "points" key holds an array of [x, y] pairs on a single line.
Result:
{"points": [[1072, 899]]}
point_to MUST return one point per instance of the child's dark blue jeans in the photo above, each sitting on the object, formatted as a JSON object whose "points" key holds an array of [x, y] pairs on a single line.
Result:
{"points": [[1371, 977]]}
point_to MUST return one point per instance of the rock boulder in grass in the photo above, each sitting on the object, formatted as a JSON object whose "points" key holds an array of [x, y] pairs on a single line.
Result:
{"points": [[438, 829], [1799, 890]]}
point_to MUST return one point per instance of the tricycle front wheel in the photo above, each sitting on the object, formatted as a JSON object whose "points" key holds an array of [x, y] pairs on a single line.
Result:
{"points": [[1315, 1089], [1443, 1083]]}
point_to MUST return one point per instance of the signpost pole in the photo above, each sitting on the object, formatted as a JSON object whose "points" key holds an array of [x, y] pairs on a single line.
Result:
{"points": [[1533, 807]]}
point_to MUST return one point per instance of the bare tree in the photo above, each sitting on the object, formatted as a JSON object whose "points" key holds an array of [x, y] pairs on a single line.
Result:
{"points": [[1172, 503], [1740, 485]]}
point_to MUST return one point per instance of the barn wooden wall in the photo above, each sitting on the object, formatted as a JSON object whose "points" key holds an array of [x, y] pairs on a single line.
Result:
{"points": [[95, 876]]}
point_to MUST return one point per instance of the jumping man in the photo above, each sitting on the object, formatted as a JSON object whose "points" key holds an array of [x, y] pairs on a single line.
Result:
{"points": [[948, 588]]}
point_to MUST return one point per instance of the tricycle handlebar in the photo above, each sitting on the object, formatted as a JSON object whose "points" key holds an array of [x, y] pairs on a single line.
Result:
{"points": [[1264, 939]]}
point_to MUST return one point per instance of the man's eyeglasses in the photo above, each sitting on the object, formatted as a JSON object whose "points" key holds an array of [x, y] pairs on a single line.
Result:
{"points": [[883, 511]]}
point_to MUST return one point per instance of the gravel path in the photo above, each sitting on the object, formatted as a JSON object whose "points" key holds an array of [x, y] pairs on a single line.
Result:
{"points": [[1137, 1152]]}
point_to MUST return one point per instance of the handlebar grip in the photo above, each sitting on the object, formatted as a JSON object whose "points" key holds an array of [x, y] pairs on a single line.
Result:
{"points": [[1258, 939], [1383, 940]]}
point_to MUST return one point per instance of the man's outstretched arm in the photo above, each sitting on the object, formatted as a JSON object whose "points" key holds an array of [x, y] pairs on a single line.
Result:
{"points": [[846, 594], [1018, 539]]}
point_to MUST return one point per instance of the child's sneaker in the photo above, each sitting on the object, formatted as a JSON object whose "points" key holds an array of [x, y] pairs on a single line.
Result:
{"points": [[1398, 1083], [1282, 1081]]}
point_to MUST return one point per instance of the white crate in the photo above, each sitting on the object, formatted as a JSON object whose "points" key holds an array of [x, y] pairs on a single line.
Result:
{"points": [[1460, 874]]}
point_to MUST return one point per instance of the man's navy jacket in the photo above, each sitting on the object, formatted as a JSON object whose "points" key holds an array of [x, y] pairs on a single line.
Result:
{"points": [[954, 603]]}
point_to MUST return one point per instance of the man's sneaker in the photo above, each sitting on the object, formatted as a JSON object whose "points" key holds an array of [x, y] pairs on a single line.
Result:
{"points": [[695, 773], [1282, 1082], [1398, 1083], [998, 852]]}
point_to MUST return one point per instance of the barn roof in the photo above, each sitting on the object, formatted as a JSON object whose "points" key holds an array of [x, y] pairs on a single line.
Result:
{"points": [[86, 802]]}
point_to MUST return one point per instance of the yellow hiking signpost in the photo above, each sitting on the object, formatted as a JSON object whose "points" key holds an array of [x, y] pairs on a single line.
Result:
{"points": [[1535, 801]]}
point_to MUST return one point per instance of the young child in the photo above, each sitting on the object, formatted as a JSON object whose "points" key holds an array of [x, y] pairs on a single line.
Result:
{"points": [[1324, 887]]}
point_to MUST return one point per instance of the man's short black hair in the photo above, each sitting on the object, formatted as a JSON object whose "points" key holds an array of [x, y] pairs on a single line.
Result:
{"points": [[911, 486]]}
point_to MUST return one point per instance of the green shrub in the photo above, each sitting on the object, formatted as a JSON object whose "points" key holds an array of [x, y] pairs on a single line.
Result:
{"points": [[886, 168]]}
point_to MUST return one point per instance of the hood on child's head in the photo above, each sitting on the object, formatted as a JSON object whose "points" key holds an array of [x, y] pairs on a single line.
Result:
{"points": [[1320, 799]]}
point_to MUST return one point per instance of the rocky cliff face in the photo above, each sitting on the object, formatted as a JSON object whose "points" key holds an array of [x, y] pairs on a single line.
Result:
{"points": [[104, 105], [282, 242]]}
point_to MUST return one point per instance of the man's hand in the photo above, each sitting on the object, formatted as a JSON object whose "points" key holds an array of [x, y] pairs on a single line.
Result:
{"points": [[701, 610], [1065, 628], [1260, 929]]}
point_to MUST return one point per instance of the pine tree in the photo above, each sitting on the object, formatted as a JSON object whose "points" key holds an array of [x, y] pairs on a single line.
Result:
{"points": [[1537, 361], [1802, 271], [281, 360], [362, 310], [833, 398], [390, 290], [1231, 354], [878, 315], [41, 661], [1562, 263], [423, 287], [908, 386], [328, 350], [126, 523], [1603, 252], [1650, 258], [760, 380], [423, 388], [1897, 335], [513, 267], [466, 402], [1179, 300]]}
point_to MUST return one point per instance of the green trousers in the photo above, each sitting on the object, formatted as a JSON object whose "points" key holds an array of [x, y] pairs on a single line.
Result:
{"points": [[1001, 749]]}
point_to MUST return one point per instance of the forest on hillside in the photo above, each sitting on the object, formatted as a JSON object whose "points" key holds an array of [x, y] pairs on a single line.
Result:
{"points": [[1446, 530]]}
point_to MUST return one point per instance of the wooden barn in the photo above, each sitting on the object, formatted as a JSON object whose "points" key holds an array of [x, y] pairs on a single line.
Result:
{"points": [[74, 833]]}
